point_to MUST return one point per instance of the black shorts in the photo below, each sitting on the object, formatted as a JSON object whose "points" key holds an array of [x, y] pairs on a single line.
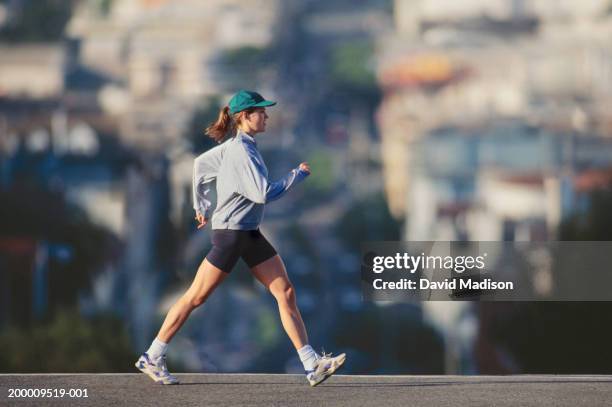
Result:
{"points": [[229, 245]]}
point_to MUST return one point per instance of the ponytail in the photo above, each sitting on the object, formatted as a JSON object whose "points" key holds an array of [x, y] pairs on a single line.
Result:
{"points": [[224, 124]]}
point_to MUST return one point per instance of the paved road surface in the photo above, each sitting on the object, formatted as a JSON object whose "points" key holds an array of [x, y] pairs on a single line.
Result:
{"points": [[291, 390]]}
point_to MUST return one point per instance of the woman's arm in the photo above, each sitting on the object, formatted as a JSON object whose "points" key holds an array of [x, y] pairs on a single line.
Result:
{"points": [[205, 169], [252, 180], [275, 190]]}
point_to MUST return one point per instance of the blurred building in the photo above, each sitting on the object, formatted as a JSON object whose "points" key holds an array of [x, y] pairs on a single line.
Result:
{"points": [[494, 116], [486, 61], [165, 56], [32, 71]]}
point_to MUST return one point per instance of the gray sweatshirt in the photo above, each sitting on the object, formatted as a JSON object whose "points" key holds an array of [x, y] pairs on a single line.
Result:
{"points": [[242, 183]]}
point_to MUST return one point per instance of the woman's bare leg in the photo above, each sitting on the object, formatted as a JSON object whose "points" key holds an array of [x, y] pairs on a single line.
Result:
{"points": [[273, 275], [206, 280]]}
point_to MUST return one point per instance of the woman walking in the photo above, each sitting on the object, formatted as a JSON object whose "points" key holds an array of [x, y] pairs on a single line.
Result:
{"points": [[243, 190]]}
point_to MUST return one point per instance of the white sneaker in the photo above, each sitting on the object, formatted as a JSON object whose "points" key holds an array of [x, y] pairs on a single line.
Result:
{"points": [[325, 366], [156, 369]]}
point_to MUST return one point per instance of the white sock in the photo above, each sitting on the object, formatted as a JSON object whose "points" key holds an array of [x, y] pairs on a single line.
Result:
{"points": [[308, 357], [157, 349]]}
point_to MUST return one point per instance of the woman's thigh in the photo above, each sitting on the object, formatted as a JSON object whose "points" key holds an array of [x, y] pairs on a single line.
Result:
{"points": [[272, 274], [227, 246], [206, 280], [256, 249]]}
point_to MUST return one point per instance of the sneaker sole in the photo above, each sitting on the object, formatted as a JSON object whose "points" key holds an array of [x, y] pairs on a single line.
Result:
{"points": [[153, 377], [331, 373]]}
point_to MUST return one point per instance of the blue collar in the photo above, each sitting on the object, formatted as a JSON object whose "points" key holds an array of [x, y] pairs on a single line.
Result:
{"points": [[246, 136]]}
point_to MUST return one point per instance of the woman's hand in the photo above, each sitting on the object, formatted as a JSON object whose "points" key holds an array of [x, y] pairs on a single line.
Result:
{"points": [[202, 221], [305, 167]]}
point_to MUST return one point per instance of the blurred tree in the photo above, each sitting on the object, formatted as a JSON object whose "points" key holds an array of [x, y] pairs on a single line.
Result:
{"points": [[322, 180], [68, 343], [564, 337], [105, 6], [268, 332], [392, 340], [594, 224], [244, 66], [352, 83], [245, 58], [38, 21], [23, 214], [299, 238], [352, 73], [351, 65], [367, 220]]}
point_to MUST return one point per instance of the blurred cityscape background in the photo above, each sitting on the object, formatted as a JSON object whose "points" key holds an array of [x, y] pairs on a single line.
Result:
{"points": [[421, 119]]}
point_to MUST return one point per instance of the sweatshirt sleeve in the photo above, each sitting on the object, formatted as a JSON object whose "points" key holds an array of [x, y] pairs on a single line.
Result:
{"points": [[253, 182], [205, 169]]}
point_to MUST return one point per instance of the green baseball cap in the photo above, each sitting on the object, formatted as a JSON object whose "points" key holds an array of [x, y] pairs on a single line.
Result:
{"points": [[244, 99]]}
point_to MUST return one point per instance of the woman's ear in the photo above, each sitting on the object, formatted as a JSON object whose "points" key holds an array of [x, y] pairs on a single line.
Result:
{"points": [[242, 116]]}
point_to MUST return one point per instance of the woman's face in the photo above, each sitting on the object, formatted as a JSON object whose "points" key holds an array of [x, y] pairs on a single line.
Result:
{"points": [[255, 122]]}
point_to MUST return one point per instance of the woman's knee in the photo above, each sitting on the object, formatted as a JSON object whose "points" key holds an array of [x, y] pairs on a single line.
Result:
{"points": [[194, 300], [285, 294], [197, 301], [207, 279]]}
